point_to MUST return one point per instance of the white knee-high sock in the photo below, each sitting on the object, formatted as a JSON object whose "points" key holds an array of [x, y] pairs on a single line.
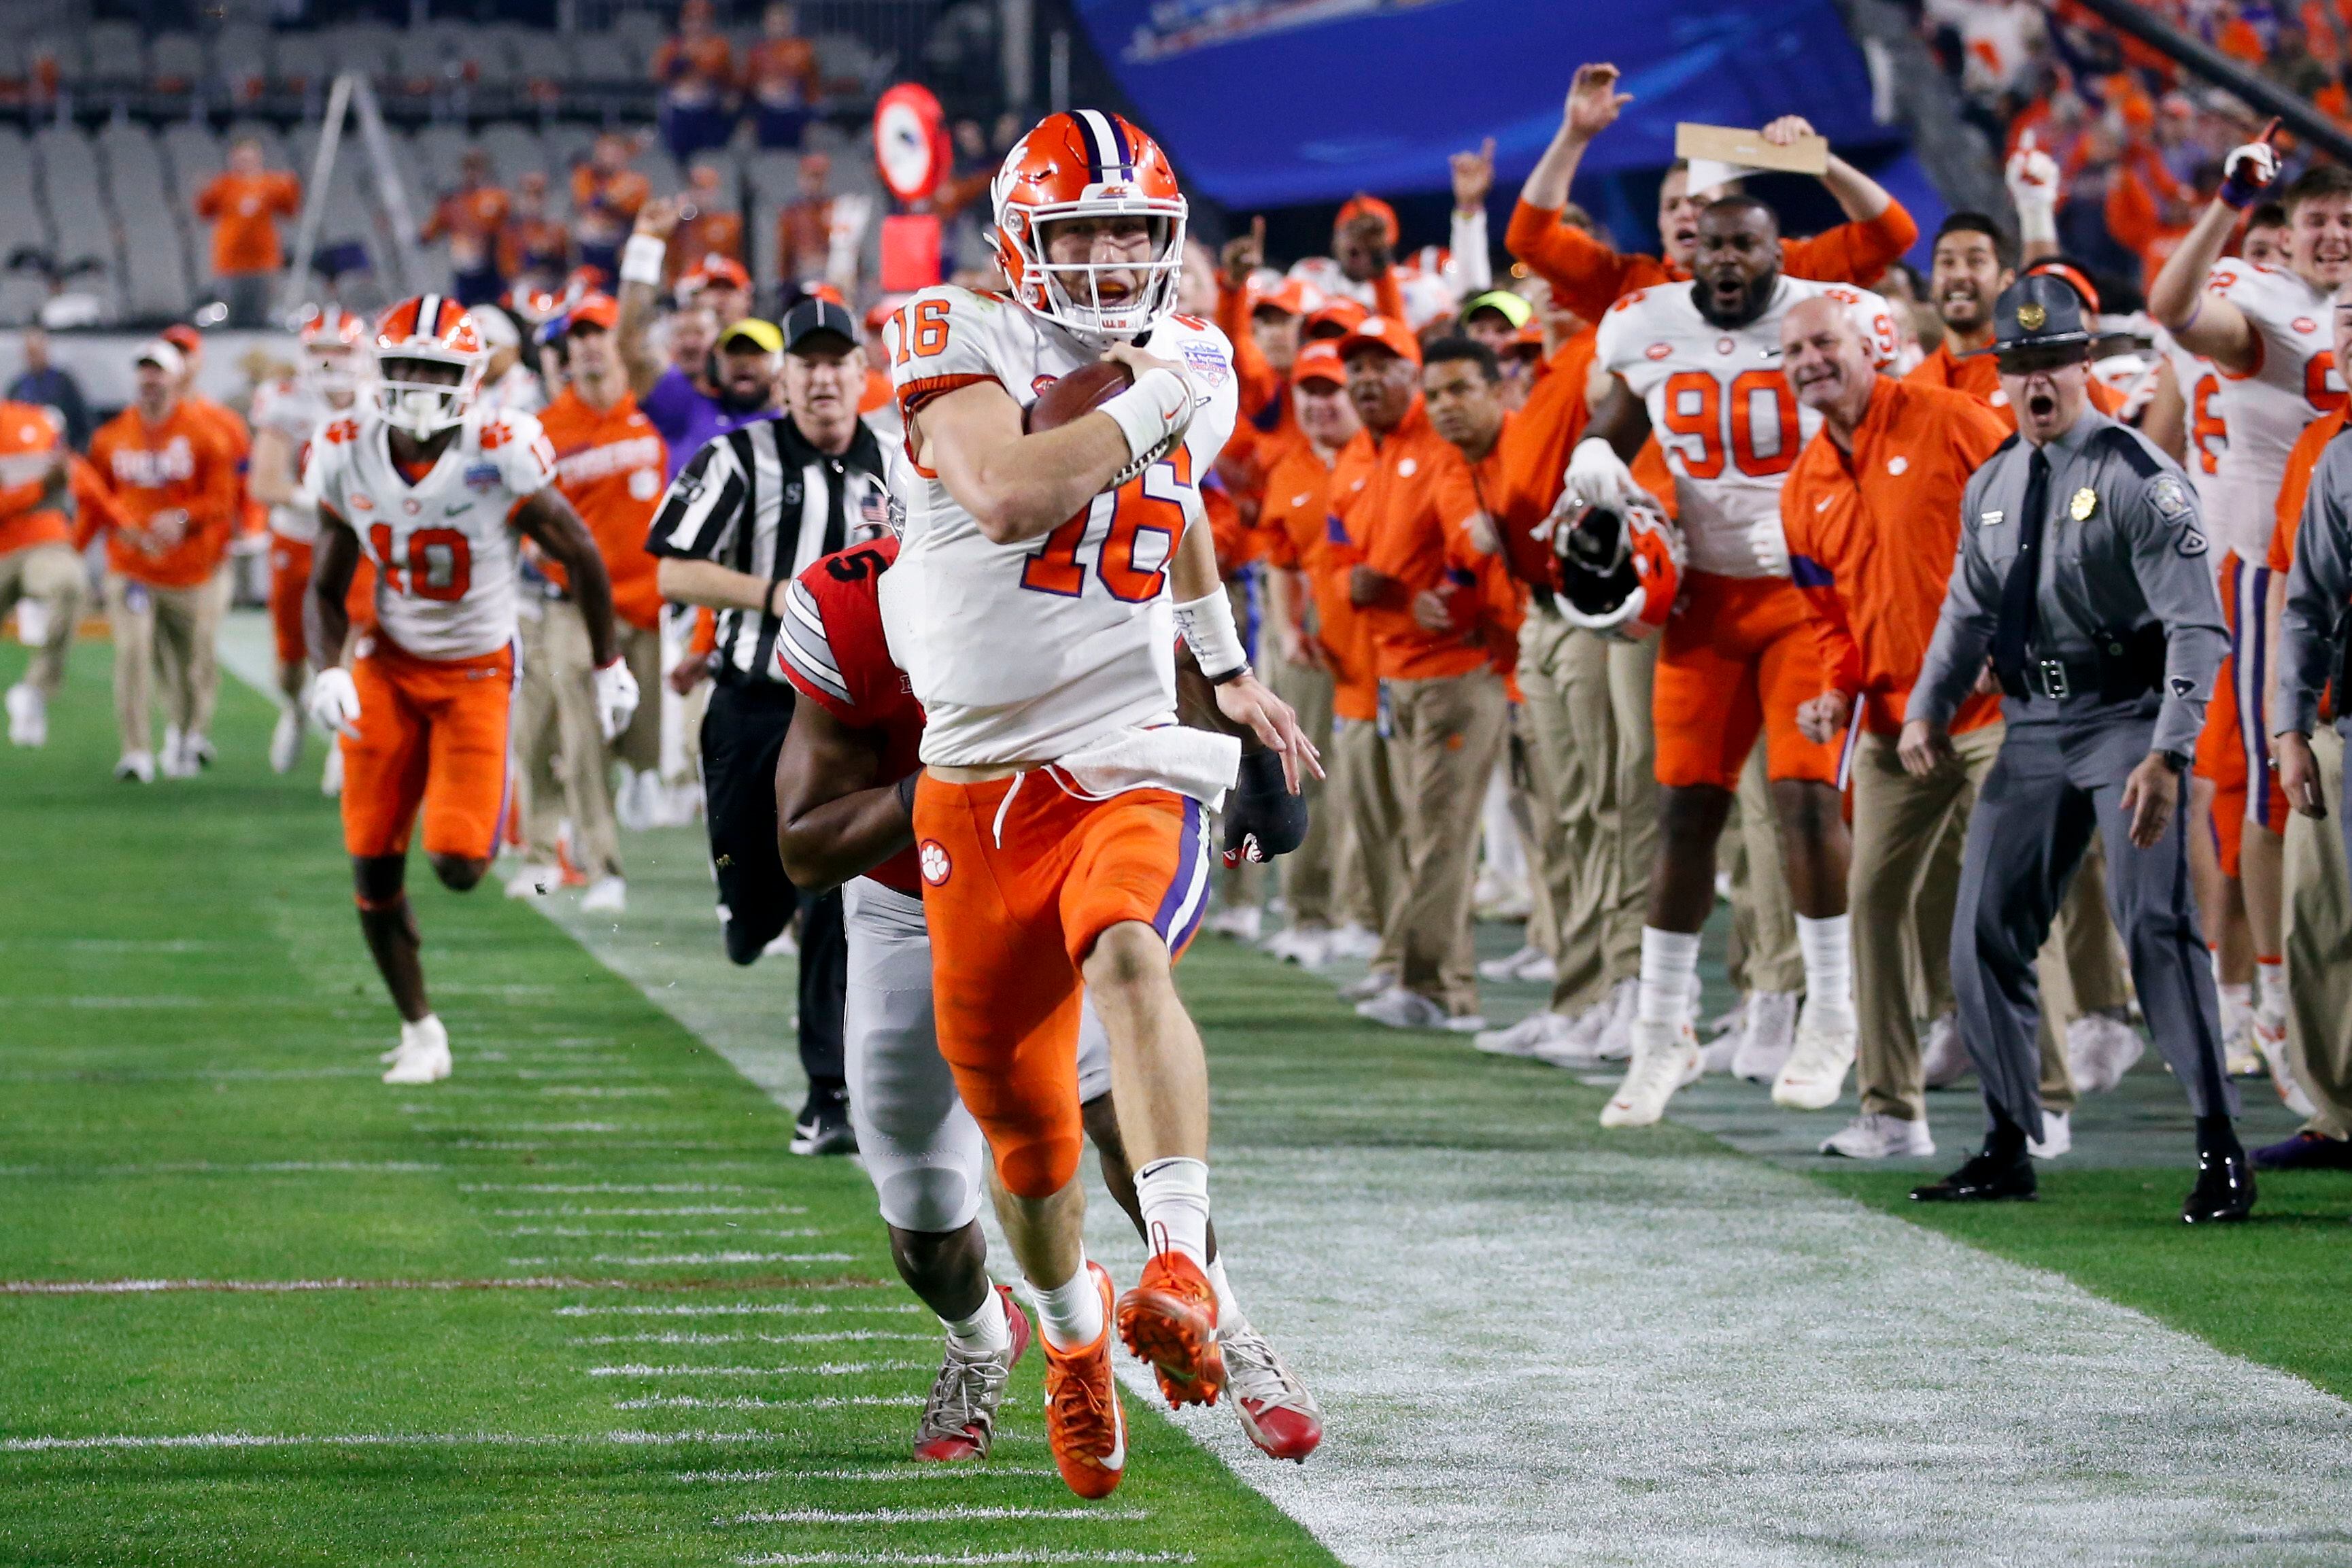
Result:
{"points": [[986, 1330], [1828, 948], [1669, 975], [1174, 1196], [1229, 1306], [1070, 1314]]}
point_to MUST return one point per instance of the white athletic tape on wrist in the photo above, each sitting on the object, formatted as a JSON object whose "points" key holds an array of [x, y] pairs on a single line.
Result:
{"points": [[1152, 414], [2037, 222], [1208, 629], [641, 259]]}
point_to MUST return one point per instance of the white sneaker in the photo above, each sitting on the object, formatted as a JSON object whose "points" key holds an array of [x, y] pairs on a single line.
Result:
{"points": [[2269, 1038], [1767, 1035], [1369, 986], [1733, 1020], [1665, 1057], [1536, 968], [1498, 898], [1579, 1044], [1717, 1054], [1944, 1056], [1402, 1009], [633, 805], [175, 762], [1507, 968], [136, 767], [605, 895], [1874, 1135], [331, 782], [535, 879], [1360, 943], [423, 1053], [1814, 1075], [1528, 1037], [1304, 946], [286, 741], [2057, 1135], [2100, 1048], [28, 715], [1612, 1041], [196, 750], [785, 945], [2240, 1056], [1241, 923]]}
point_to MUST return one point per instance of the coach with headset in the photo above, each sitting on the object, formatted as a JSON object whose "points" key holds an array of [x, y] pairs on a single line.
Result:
{"points": [[2081, 573]]}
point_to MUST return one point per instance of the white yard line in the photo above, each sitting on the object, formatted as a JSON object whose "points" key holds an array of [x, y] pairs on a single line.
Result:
{"points": [[748, 1401], [282, 1287], [132, 1443], [685, 1259], [952, 1559], [818, 1369], [912, 1472], [953, 1514], [749, 1309]]}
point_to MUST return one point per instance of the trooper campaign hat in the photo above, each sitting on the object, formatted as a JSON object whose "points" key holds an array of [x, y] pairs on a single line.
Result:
{"points": [[2039, 319]]}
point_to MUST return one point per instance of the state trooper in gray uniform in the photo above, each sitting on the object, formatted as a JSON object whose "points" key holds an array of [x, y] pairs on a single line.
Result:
{"points": [[2082, 573]]}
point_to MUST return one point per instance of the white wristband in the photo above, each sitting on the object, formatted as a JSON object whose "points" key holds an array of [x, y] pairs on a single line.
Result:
{"points": [[1208, 629], [1152, 414], [2037, 222], [641, 259]]}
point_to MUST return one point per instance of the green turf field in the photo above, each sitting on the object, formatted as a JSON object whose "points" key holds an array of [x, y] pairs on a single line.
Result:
{"points": [[575, 1306]]}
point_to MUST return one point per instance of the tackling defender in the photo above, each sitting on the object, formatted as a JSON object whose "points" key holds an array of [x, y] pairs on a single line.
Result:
{"points": [[1060, 819], [844, 784], [433, 491], [1700, 364]]}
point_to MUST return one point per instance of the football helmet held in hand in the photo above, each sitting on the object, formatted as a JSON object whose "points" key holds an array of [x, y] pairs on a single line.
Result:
{"points": [[1620, 565]]}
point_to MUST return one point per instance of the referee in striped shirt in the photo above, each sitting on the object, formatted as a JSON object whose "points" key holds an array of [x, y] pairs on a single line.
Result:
{"points": [[747, 514]]}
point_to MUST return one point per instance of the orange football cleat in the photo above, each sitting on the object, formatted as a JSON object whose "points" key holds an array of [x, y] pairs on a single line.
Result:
{"points": [[1083, 1420], [1170, 1320]]}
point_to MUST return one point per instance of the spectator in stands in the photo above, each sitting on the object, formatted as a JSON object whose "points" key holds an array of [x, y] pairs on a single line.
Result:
{"points": [[162, 485], [2292, 64], [721, 284], [708, 225], [782, 76], [534, 251], [242, 203], [606, 195], [48, 386], [696, 69], [471, 218], [718, 378], [805, 227]]}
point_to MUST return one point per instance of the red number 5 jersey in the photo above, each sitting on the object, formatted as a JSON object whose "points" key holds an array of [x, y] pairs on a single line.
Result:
{"points": [[444, 546], [1027, 652], [1725, 416]]}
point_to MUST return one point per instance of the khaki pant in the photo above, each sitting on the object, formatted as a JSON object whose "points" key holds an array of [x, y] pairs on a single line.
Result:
{"points": [[1592, 760], [1365, 823], [563, 766], [50, 575], [1764, 952], [2319, 948], [1902, 902], [1308, 871], [1444, 737], [169, 633]]}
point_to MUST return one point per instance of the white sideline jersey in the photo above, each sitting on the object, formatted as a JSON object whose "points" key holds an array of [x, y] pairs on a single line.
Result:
{"points": [[295, 409], [2293, 382], [1028, 652], [1724, 415], [444, 547], [2207, 432]]}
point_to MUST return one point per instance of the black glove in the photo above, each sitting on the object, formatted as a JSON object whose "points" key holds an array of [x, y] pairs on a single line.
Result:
{"points": [[1263, 818]]}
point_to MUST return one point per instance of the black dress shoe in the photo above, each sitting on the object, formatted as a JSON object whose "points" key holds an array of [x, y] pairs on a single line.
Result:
{"points": [[1987, 1178], [2225, 1191]]}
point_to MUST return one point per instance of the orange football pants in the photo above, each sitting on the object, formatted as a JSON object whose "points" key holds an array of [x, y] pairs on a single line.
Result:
{"points": [[433, 734], [290, 584], [1737, 661], [1016, 891]]}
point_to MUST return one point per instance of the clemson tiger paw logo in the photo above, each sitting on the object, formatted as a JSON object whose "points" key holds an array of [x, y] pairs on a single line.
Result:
{"points": [[933, 859]]}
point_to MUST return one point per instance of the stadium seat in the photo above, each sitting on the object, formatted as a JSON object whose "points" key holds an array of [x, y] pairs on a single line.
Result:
{"points": [[116, 52], [514, 149], [156, 277], [304, 61], [22, 228], [243, 57], [604, 58], [177, 62], [78, 216]]}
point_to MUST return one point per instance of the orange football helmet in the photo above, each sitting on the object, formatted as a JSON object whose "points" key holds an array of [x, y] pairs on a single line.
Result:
{"points": [[333, 349], [1619, 568], [1086, 164], [429, 357]]}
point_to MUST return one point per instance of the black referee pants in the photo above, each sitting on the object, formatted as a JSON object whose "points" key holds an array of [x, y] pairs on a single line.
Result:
{"points": [[742, 735]]}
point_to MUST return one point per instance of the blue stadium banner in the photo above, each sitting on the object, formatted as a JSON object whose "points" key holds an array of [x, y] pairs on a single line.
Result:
{"points": [[1269, 103]]}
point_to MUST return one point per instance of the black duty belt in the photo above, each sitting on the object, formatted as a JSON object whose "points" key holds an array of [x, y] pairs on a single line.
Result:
{"points": [[2124, 666]]}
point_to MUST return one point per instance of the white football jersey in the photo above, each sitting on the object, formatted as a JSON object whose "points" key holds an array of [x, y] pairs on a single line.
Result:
{"points": [[1027, 652], [2208, 433], [2294, 382], [444, 547], [295, 409], [1724, 415]]}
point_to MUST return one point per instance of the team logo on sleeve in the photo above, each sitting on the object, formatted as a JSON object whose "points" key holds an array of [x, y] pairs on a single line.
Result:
{"points": [[2169, 497], [936, 866]]}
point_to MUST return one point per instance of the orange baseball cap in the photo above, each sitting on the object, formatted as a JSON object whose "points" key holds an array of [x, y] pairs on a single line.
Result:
{"points": [[1292, 297], [1382, 332], [723, 271], [594, 310], [1336, 318], [1355, 207], [1319, 361], [184, 338]]}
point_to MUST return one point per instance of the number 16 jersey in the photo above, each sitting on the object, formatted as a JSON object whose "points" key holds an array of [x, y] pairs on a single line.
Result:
{"points": [[444, 545], [1027, 652], [1724, 413]]}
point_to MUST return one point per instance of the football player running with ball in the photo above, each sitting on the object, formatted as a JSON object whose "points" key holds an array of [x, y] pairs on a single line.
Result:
{"points": [[1061, 821], [432, 490]]}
